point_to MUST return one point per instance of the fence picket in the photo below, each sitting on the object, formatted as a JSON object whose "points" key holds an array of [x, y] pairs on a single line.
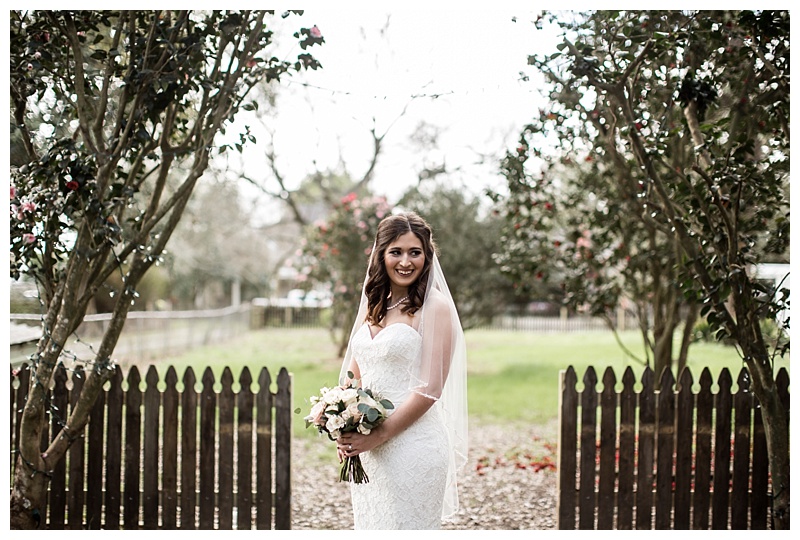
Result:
{"points": [[208, 440], [684, 425], [647, 437], [225, 457], [169, 481], [702, 475], [58, 482], [189, 473], [722, 452], [588, 449], [627, 450], [264, 404], [244, 451], [740, 499], [760, 476], [94, 466], [665, 434], [151, 468], [608, 452], [283, 451], [133, 428], [567, 448], [77, 455]]}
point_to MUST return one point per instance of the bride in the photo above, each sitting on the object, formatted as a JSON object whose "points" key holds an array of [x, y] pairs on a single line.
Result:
{"points": [[407, 344]]}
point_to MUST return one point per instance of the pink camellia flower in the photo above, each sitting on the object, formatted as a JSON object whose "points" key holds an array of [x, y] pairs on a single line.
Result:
{"points": [[13, 192], [28, 206], [315, 33], [29, 238]]}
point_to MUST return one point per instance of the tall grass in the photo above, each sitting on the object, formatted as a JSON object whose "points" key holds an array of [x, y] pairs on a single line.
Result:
{"points": [[513, 377]]}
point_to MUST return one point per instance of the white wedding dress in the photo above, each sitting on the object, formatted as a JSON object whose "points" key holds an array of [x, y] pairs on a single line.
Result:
{"points": [[408, 473]]}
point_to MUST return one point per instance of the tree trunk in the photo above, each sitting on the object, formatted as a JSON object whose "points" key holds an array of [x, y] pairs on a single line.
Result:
{"points": [[28, 497], [686, 340], [776, 429]]}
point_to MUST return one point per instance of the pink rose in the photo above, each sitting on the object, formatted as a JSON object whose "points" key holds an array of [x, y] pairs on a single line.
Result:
{"points": [[29, 238], [13, 192], [315, 33], [28, 206]]}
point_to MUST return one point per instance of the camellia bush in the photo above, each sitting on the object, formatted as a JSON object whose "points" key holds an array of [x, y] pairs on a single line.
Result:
{"points": [[334, 257], [681, 119], [116, 115]]}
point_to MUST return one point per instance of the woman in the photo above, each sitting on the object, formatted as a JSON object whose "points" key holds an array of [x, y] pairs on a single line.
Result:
{"points": [[407, 344]]}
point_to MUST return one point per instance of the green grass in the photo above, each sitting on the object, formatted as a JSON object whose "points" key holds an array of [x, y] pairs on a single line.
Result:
{"points": [[513, 377]]}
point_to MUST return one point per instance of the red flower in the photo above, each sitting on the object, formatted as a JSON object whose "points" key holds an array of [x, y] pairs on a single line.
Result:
{"points": [[72, 185], [548, 206]]}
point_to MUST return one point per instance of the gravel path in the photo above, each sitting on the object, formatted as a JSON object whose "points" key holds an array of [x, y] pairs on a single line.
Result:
{"points": [[509, 482]]}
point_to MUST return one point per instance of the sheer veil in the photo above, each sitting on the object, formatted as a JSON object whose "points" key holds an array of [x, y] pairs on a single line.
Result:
{"points": [[440, 372]]}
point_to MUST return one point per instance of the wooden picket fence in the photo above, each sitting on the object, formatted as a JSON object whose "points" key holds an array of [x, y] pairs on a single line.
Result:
{"points": [[169, 459], [663, 458]]}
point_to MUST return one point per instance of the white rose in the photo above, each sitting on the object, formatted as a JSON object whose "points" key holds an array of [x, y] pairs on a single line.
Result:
{"points": [[333, 396], [334, 423], [363, 430], [349, 396]]}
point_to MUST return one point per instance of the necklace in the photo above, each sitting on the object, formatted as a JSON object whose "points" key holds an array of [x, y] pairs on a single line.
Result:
{"points": [[403, 299]]}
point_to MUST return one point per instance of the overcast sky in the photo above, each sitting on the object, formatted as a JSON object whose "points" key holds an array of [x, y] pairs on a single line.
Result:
{"points": [[378, 62]]}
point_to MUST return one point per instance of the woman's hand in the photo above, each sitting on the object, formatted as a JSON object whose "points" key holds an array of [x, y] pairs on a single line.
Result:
{"points": [[353, 443]]}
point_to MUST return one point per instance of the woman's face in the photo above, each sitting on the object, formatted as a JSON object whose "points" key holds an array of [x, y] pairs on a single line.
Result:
{"points": [[404, 260]]}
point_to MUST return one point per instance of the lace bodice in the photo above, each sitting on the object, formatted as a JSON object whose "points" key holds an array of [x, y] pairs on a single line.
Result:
{"points": [[387, 360]]}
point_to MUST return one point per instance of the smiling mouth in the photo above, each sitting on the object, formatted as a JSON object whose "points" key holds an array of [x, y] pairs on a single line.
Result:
{"points": [[405, 273]]}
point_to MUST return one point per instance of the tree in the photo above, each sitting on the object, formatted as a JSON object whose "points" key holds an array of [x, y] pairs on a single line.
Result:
{"points": [[574, 224], [122, 102], [218, 244], [687, 116], [334, 256]]}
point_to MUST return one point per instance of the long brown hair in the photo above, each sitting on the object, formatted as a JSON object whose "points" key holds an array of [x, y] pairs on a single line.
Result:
{"points": [[378, 284]]}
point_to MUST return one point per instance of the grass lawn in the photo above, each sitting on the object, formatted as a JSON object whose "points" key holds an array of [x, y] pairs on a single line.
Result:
{"points": [[512, 376]]}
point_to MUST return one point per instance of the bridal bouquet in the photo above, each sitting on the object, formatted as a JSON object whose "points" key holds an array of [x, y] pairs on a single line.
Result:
{"points": [[344, 409]]}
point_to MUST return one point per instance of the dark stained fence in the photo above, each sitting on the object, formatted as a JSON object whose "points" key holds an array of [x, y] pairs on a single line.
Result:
{"points": [[663, 457], [153, 458]]}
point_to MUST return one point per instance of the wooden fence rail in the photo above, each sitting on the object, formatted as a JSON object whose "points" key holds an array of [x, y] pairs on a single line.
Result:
{"points": [[664, 458], [169, 459]]}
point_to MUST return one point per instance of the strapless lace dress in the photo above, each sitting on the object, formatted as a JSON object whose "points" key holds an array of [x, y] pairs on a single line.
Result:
{"points": [[407, 474]]}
